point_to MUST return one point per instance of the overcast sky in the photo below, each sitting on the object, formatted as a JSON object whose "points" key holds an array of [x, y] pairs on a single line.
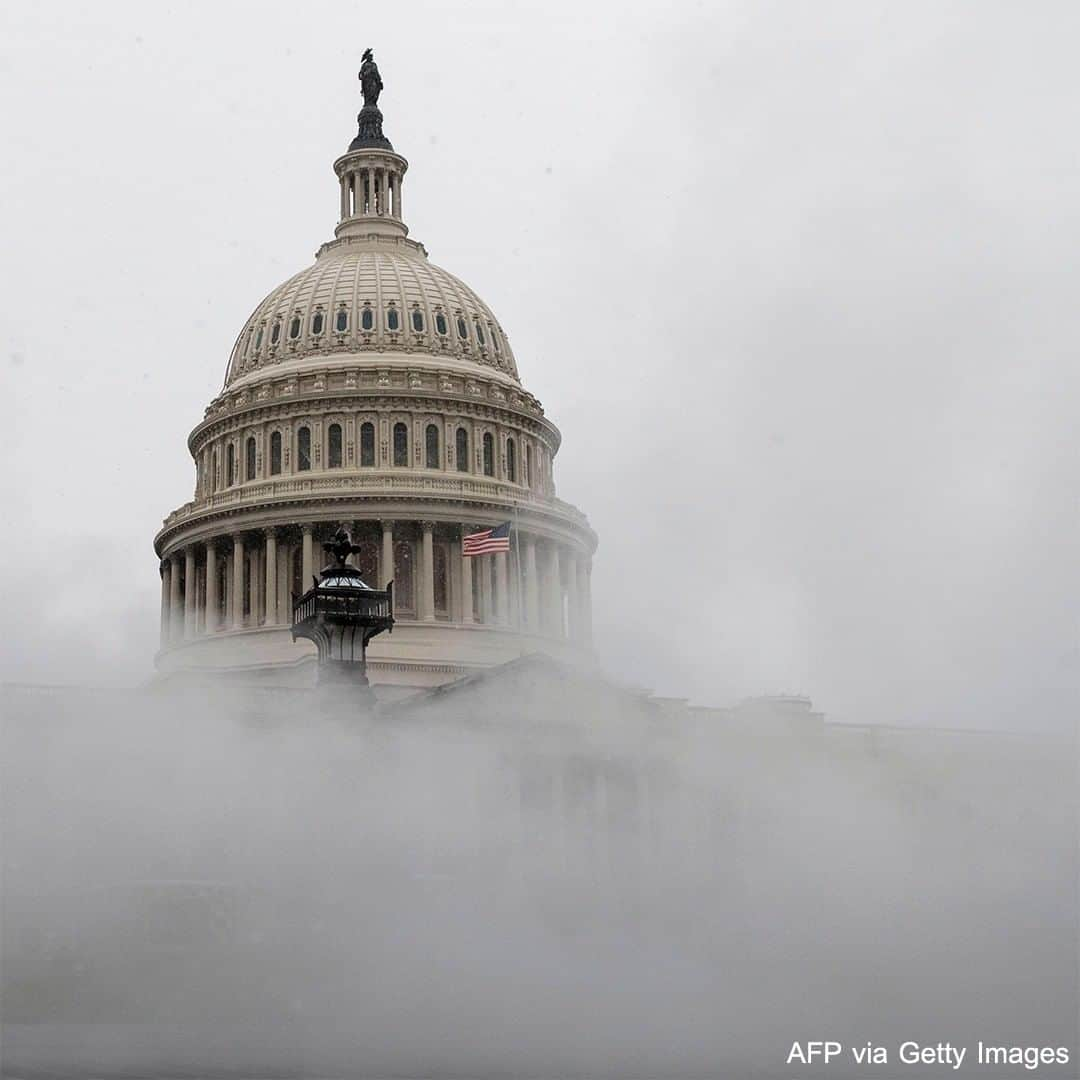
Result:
{"points": [[796, 281]]}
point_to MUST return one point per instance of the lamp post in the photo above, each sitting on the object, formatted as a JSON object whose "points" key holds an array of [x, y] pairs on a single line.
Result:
{"points": [[341, 614]]}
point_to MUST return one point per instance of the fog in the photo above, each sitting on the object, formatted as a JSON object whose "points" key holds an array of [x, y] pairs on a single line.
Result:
{"points": [[261, 885], [795, 281]]}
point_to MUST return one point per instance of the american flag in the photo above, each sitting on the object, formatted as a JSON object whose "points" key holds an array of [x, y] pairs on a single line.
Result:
{"points": [[487, 540]]}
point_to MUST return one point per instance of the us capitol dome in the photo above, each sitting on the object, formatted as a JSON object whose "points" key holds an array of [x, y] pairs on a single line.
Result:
{"points": [[376, 390]]}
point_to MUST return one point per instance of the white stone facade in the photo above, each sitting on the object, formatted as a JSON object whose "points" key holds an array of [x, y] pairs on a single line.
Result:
{"points": [[377, 390]]}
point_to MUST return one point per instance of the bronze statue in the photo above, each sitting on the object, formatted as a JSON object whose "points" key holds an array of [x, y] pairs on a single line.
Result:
{"points": [[370, 81]]}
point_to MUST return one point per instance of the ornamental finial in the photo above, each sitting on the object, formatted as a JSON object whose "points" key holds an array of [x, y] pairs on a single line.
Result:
{"points": [[341, 547]]}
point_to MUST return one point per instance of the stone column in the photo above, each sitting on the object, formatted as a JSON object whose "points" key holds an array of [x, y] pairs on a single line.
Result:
{"points": [[238, 582], [176, 614], [212, 601], [553, 588], [164, 569], [502, 588], [426, 599], [255, 566], [271, 578], [386, 562], [306, 570], [584, 600], [190, 592], [532, 586], [344, 196], [467, 615], [573, 599]]}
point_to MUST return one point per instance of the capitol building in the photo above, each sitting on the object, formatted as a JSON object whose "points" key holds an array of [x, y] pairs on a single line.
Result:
{"points": [[376, 390]]}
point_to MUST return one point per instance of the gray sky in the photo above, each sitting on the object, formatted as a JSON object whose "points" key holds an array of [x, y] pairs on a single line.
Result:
{"points": [[796, 281]]}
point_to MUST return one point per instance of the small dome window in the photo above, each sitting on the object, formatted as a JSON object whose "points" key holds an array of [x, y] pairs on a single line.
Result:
{"points": [[392, 318], [317, 321], [303, 449], [494, 337], [294, 327], [333, 446], [462, 328], [367, 444], [275, 453], [431, 447], [440, 323], [479, 332], [275, 332], [489, 454], [249, 459], [259, 337], [341, 321], [367, 319], [401, 445], [418, 320]]}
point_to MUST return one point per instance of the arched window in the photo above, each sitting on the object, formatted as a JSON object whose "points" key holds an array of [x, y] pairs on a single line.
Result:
{"points": [[213, 471], [527, 478], [489, 454], [431, 446], [230, 466], [479, 332], [461, 449], [367, 319], [462, 328], [294, 327], [392, 318], [511, 461], [341, 321], [249, 458], [303, 449], [401, 444], [317, 323], [441, 574], [440, 324], [403, 575], [275, 332], [275, 453], [418, 320], [367, 444], [333, 446]]}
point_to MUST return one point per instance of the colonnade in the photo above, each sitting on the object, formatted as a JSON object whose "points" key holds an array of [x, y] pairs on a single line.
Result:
{"points": [[371, 190], [540, 587]]}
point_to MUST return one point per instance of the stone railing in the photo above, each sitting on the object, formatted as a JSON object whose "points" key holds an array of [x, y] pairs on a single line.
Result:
{"points": [[398, 484]]}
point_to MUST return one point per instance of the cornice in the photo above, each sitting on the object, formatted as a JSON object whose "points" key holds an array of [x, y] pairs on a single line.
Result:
{"points": [[383, 389], [446, 500]]}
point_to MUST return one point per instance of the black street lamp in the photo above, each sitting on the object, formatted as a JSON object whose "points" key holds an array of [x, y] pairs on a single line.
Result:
{"points": [[341, 615]]}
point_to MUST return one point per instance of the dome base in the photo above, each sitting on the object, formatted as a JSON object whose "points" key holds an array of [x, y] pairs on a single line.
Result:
{"points": [[419, 655], [370, 134]]}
